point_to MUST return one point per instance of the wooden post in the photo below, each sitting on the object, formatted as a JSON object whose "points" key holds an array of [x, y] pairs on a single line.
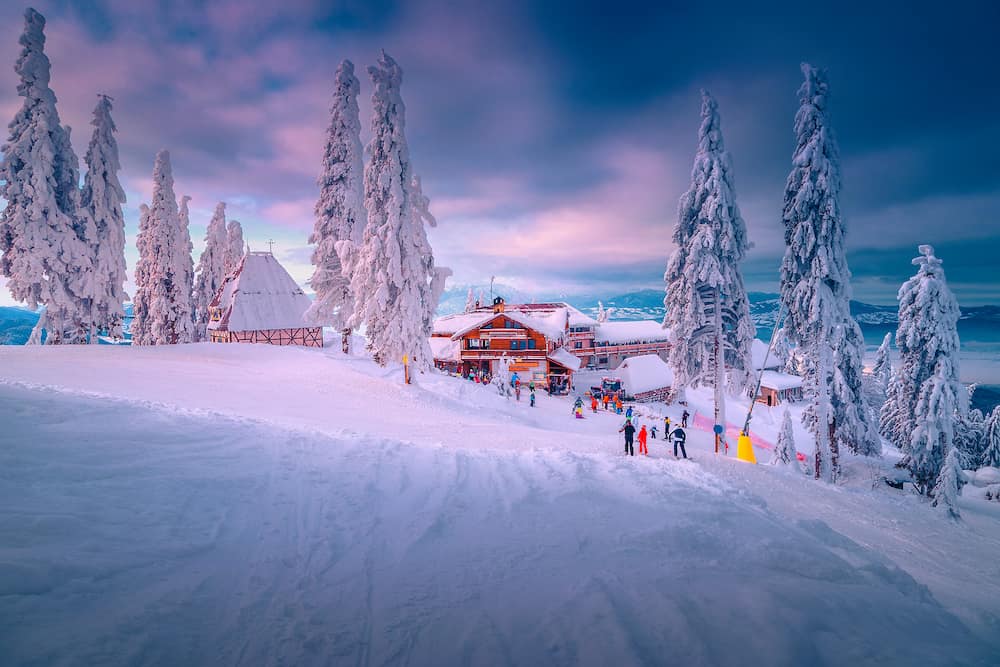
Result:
{"points": [[406, 368]]}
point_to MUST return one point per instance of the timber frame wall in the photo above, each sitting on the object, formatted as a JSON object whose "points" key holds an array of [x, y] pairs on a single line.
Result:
{"points": [[306, 336]]}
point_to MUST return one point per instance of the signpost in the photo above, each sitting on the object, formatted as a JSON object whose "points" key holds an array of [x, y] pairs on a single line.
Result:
{"points": [[406, 368]]}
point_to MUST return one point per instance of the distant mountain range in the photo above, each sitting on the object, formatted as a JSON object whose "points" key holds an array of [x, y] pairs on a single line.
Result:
{"points": [[979, 324]]}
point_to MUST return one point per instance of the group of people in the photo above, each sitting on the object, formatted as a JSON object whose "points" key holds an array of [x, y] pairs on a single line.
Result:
{"points": [[610, 400], [678, 436]]}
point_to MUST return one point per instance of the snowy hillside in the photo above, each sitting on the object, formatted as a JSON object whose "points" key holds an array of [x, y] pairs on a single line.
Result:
{"points": [[206, 504]]}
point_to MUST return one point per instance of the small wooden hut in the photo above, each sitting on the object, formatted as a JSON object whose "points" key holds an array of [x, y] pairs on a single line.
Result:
{"points": [[260, 303]]}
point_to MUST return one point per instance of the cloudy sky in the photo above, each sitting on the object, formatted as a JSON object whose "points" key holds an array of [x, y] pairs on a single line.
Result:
{"points": [[554, 139]]}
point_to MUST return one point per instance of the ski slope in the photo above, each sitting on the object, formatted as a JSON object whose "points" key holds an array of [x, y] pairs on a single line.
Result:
{"points": [[254, 505]]}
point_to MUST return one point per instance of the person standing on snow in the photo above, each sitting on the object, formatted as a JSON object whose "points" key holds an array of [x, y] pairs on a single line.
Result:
{"points": [[532, 397], [684, 419], [642, 441], [629, 430], [517, 390], [593, 403], [628, 413], [652, 432], [679, 437], [606, 399]]}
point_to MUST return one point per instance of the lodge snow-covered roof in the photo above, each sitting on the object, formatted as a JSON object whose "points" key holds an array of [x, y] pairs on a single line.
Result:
{"points": [[551, 325], [631, 331], [645, 372], [260, 295]]}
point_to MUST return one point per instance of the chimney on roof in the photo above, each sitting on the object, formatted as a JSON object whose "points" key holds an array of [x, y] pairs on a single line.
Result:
{"points": [[498, 304]]}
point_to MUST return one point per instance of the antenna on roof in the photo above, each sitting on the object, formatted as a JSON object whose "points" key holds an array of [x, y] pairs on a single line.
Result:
{"points": [[270, 246]]}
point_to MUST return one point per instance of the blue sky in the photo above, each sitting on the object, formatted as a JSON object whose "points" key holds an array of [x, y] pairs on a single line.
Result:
{"points": [[554, 139]]}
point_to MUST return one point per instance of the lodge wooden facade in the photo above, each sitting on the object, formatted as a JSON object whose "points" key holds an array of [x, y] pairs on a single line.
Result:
{"points": [[532, 343]]}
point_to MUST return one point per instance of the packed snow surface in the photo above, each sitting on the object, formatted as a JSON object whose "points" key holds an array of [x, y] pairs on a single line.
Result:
{"points": [[625, 331], [237, 504]]}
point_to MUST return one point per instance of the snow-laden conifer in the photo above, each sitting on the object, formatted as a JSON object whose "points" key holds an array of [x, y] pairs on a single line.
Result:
{"points": [[991, 455], [235, 246], [43, 240], [211, 270], [470, 302], [184, 258], [101, 201], [949, 485], [140, 327], [167, 244], [340, 211], [784, 449], [815, 286], [711, 241], [882, 366], [392, 271], [928, 393]]}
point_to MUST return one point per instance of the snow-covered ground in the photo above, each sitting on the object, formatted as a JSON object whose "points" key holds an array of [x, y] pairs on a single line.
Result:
{"points": [[213, 504]]}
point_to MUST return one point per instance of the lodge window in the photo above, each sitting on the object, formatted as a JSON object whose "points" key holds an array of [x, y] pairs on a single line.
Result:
{"points": [[577, 345], [531, 344], [478, 344]]}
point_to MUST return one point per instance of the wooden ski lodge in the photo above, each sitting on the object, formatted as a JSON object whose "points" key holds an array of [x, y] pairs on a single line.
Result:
{"points": [[260, 303], [546, 340]]}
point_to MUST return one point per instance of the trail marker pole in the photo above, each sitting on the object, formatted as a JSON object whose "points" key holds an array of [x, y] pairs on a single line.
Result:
{"points": [[406, 368]]}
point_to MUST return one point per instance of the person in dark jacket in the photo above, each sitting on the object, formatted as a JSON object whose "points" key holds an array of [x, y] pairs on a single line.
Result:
{"points": [[684, 419], [629, 430], [679, 436]]}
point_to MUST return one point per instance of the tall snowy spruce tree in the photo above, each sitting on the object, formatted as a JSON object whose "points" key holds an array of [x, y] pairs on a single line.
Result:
{"points": [[926, 393], [101, 202], [882, 367], [211, 270], [45, 243], [991, 455], [393, 275], [815, 287], [235, 246], [711, 241], [340, 211], [185, 266], [140, 328], [167, 244]]}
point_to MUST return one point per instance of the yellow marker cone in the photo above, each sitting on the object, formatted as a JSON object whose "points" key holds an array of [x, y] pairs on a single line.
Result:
{"points": [[744, 449]]}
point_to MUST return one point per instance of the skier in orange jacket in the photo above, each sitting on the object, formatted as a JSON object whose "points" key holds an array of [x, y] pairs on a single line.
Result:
{"points": [[642, 441], [593, 403]]}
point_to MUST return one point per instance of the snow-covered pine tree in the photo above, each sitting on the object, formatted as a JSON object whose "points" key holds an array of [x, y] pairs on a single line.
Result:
{"points": [[439, 274], [235, 247], [141, 328], [470, 302], [927, 339], [501, 376], [168, 294], [340, 211], [949, 485], [393, 270], [184, 256], [784, 449], [711, 241], [970, 437], [602, 315], [882, 367], [991, 455], [211, 270], [43, 240], [101, 201], [815, 286]]}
